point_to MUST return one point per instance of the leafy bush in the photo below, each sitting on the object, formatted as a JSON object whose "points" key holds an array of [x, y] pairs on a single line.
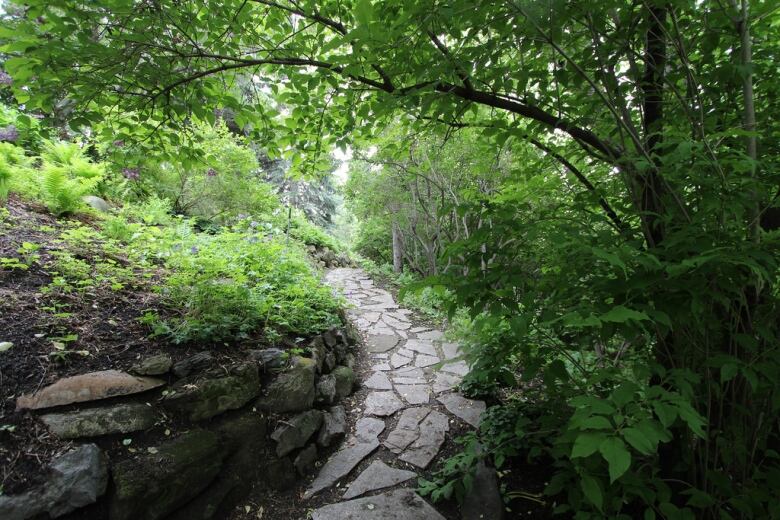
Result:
{"points": [[231, 285], [222, 183], [311, 235]]}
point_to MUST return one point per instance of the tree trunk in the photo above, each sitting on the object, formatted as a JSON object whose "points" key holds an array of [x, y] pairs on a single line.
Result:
{"points": [[398, 249]]}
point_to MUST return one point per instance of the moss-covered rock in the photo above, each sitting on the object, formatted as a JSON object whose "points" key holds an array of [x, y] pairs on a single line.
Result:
{"points": [[293, 390], [214, 392], [345, 380]]}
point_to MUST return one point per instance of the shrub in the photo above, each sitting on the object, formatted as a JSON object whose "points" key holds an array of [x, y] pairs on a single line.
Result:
{"points": [[232, 285]]}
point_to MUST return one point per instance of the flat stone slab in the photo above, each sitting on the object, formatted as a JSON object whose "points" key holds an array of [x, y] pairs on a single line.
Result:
{"points": [[417, 330], [414, 394], [120, 418], [433, 430], [397, 360], [87, 387], [407, 430], [400, 380], [423, 361], [377, 476], [340, 464], [408, 372], [433, 335], [378, 381], [451, 350], [382, 342], [466, 409], [421, 346], [368, 428], [382, 403], [460, 368], [445, 381], [382, 367], [401, 504], [394, 323]]}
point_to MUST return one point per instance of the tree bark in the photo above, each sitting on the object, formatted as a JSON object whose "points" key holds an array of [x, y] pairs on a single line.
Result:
{"points": [[398, 249]]}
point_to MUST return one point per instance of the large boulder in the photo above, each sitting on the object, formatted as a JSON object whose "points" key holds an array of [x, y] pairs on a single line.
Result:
{"points": [[293, 390], [153, 486], [76, 479], [214, 392], [294, 433], [119, 418]]}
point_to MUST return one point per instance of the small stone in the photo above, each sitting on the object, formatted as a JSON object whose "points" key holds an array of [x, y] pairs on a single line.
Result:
{"points": [[154, 366], [193, 364], [87, 387], [466, 409], [423, 361], [377, 476], [401, 504], [6, 345], [382, 403], [345, 380], [120, 418], [268, 357], [334, 426], [414, 394], [378, 381], [326, 389], [305, 460], [417, 330], [296, 432], [96, 203], [483, 498]]}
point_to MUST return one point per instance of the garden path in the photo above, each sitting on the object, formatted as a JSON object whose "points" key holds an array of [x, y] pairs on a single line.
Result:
{"points": [[406, 415]]}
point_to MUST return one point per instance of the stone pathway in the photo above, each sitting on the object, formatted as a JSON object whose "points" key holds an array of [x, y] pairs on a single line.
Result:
{"points": [[414, 372]]}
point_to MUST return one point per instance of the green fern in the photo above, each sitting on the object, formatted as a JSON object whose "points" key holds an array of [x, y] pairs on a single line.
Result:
{"points": [[5, 178]]}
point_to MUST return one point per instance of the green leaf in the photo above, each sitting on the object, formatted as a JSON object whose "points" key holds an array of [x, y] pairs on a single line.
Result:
{"points": [[622, 314], [617, 456], [592, 490], [639, 441], [586, 444], [596, 422], [728, 372]]}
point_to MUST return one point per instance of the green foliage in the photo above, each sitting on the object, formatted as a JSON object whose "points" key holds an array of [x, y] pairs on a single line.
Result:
{"points": [[13, 168], [231, 285], [306, 232]]}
